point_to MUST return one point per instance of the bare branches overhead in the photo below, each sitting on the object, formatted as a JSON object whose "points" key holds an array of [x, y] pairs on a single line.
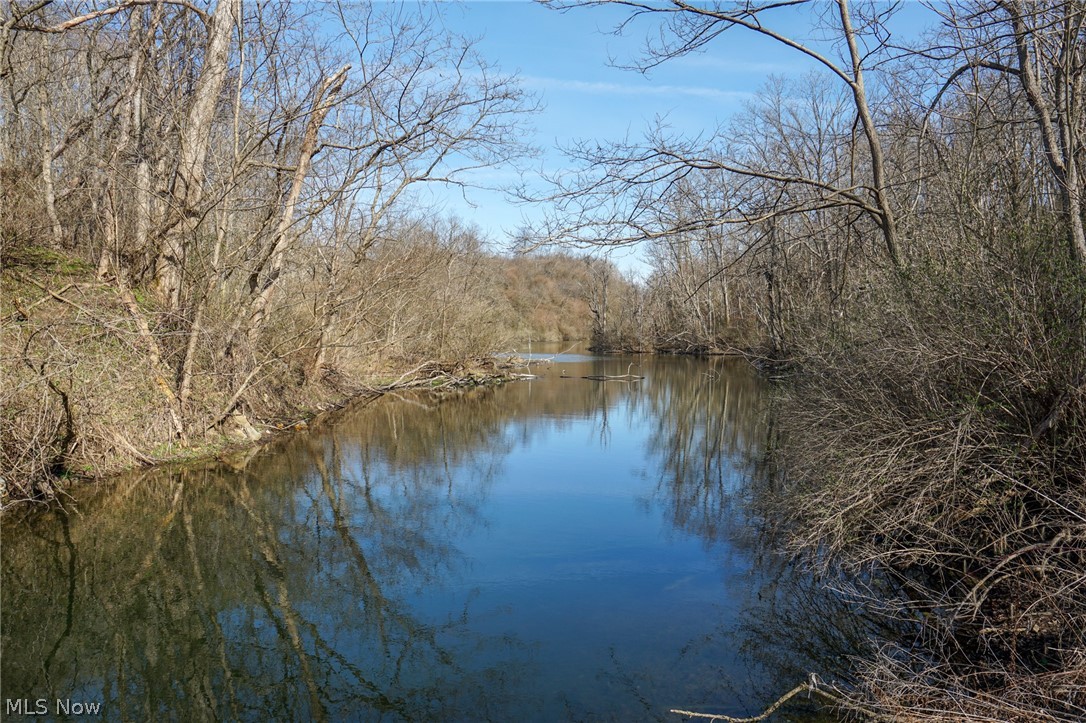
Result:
{"points": [[687, 28]]}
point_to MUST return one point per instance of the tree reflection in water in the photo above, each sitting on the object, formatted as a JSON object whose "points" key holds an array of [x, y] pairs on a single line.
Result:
{"points": [[275, 592], [718, 483], [324, 578]]}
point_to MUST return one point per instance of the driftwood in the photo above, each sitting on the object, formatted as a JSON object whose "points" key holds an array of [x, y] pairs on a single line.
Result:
{"points": [[550, 359], [813, 686], [627, 377]]}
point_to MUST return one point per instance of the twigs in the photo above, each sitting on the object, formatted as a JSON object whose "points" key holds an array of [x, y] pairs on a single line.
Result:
{"points": [[915, 456], [58, 296], [154, 354], [410, 373], [122, 441], [812, 687], [801, 688], [627, 377], [550, 359]]}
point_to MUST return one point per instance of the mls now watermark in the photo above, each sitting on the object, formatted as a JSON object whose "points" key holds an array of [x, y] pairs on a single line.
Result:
{"points": [[61, 706]]}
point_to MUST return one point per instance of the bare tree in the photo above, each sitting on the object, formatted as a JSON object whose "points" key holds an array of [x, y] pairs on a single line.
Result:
{"points": [[271, 261], [636, 169], [1043, 46], [197, 153], [186, 187]]}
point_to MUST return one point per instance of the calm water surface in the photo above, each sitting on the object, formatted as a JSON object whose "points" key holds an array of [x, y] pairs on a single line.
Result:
{"points": [[554, 549]]}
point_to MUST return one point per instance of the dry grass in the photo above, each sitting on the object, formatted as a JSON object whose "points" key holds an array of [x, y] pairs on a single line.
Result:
{"points": [[82, 397], [940, 440]]}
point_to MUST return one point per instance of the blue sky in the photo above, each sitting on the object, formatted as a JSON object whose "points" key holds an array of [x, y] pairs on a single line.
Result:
{"points": [[566, 59]]}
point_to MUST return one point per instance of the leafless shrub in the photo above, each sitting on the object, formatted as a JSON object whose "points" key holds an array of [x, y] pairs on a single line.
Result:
{"points": [[940, 440]]}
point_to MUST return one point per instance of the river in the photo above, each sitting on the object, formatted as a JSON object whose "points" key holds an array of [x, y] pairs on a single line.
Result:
{"points": [[550, 549]]}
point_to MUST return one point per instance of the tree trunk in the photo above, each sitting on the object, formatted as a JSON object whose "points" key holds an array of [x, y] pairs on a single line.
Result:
{"points": [[261, 289], [1057, 121], [887, 221], [49, 195], [154, 354], [183, 216]]}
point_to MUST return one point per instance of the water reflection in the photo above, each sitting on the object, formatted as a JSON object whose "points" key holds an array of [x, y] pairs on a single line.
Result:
{"points": [[559, 549], [276, 591]]}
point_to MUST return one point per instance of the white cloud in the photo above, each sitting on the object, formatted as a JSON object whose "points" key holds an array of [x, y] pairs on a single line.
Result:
{"points": [[635, 89], [735, 65]]}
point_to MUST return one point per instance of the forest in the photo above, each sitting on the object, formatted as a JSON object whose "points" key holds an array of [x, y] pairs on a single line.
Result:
{"points": [[210, 224]]}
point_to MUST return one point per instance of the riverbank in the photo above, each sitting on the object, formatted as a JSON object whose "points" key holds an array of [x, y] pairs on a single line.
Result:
{"points": [[241, 435], [936, 442], [930, 456], [99, 377]]}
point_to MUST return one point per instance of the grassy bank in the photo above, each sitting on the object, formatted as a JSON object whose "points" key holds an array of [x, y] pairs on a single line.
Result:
{"points": [[90, 369]]}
